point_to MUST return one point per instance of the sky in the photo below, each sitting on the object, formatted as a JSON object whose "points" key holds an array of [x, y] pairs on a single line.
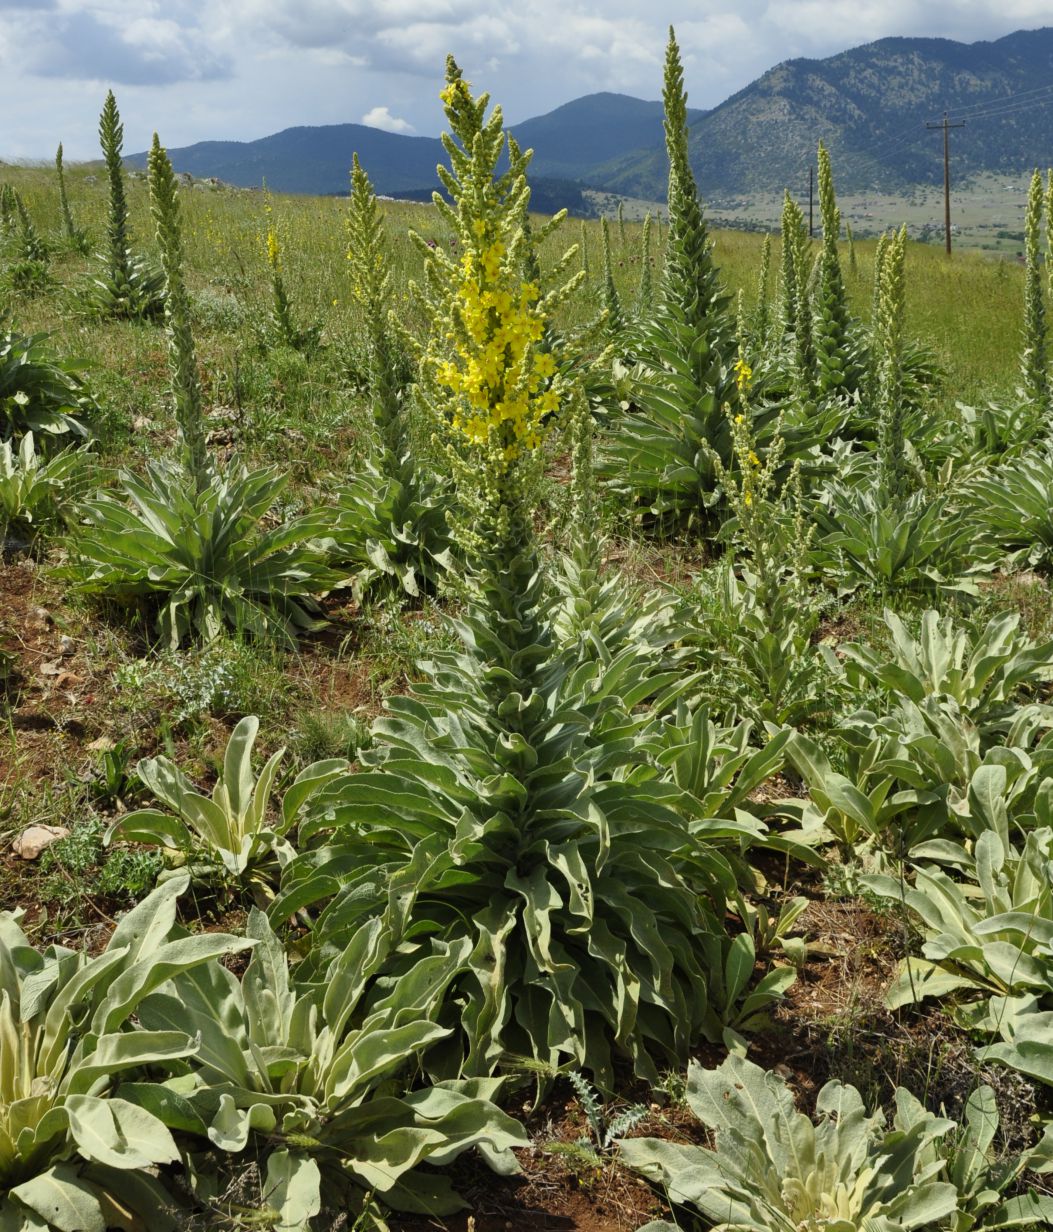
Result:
{"points": [[196, 70]]}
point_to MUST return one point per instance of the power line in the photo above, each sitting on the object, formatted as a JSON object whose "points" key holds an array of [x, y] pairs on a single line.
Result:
{"points": [[1011, 109], [1005, 98]]}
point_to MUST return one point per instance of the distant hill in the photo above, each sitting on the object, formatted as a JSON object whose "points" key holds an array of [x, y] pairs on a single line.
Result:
{"points": [[314, 160], [569, 143], [869, 105]]}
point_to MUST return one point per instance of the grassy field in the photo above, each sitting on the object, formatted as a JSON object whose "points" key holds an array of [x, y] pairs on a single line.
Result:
{"points": [[894, 755], [987, 212], [968, 308]]}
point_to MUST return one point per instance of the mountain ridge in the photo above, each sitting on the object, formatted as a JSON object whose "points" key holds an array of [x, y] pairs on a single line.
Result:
{"points": [[868, 103]]}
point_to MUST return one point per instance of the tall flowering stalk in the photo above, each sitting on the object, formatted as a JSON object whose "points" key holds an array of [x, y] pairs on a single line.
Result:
{"points": [[1049, 229], [831, 327], [282, 324], [8, 213], [32, 247], [646, 277], [796, 304], [491, 389], [611, 302], [111, 139], [691, 282], [186, 386], [127, 287], [73, 234], [368, 265], [762, 313], [391, 518], [1033, 371], [873, 375], [892, 461]]}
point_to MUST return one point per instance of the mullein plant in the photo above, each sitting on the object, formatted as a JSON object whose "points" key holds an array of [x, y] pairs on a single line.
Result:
{"points": [[31, 246], [601, 615], [28, 271], [692, 288], [836, 366], [75, 238], [646, 291], [391, 518], [893, 470], [40, 392], [685, 352], [127, 287], [1033, 360], [280, 328], [758, 650], [497, 799], [1049, 229], [796, 299], [878, 528], [873, 375], [761, 322], [186, 539], [612, 303], [8, 213]]}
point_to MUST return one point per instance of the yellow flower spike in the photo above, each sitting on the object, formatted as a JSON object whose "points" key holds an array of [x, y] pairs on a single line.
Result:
{"points": [[273, 248]]}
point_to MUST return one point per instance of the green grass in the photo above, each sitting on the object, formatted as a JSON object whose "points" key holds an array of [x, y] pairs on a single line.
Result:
{"points": [[968, 307]]}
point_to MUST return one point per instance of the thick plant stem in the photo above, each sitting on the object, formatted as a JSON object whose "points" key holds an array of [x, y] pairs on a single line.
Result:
{"points": [[186, 386]]}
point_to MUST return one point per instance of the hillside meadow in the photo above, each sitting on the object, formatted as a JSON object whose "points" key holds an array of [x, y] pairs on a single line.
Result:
{"points": [[501, 737]]}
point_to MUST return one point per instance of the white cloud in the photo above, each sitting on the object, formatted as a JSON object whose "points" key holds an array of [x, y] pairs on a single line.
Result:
{"points": [[196, 69], [381, 117]]}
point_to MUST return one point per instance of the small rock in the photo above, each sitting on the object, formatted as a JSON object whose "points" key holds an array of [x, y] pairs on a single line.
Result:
{"points": [[103, 745], [35, 839], [67, 646], [42, 616], [51, 669]]}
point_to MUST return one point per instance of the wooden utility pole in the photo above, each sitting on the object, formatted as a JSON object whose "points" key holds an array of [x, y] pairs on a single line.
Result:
{"points": [[811, 226], [946, 125]]}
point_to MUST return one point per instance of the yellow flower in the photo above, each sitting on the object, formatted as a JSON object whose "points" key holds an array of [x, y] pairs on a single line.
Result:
{"points": [[747, 499], [273, 250], [754, 460], [544, 365], [743, 374]]}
